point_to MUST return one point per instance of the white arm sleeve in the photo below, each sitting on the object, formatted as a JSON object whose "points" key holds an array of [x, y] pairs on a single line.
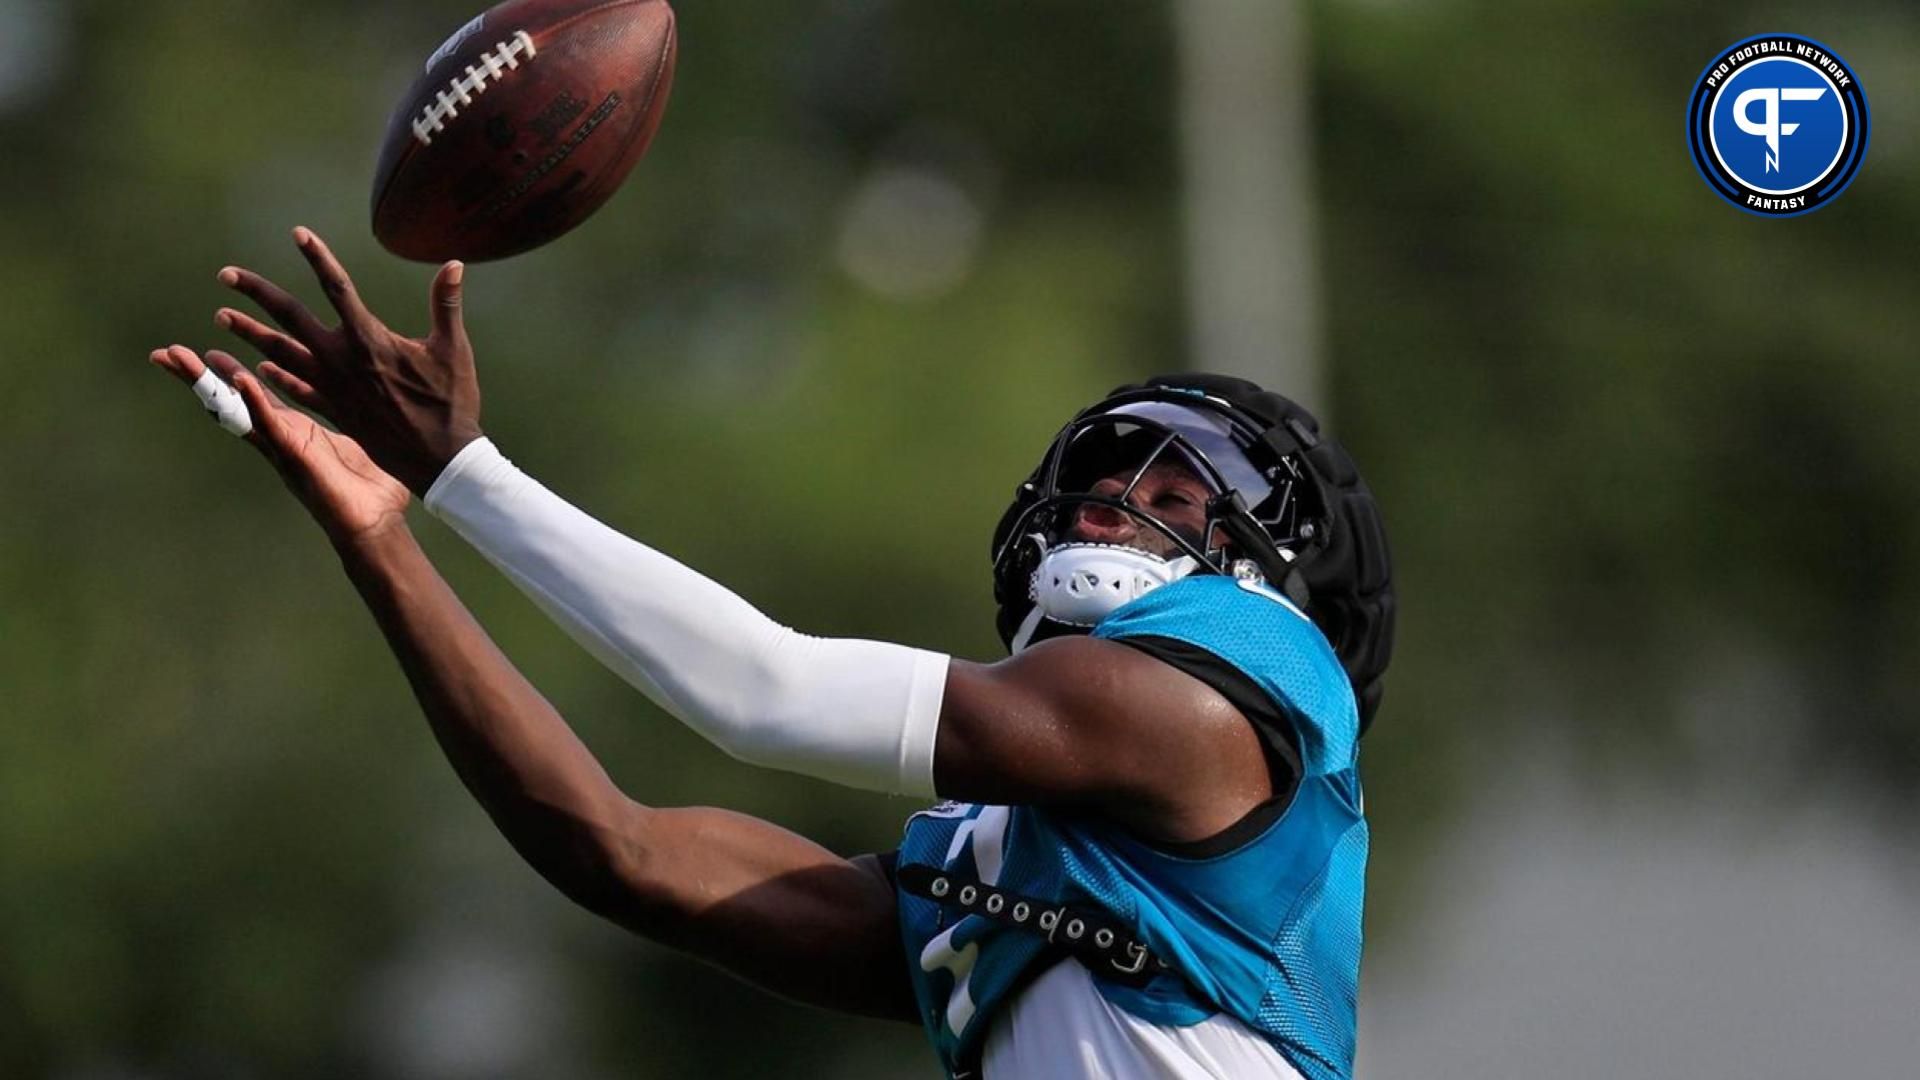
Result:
{"points": [[860, 713]]}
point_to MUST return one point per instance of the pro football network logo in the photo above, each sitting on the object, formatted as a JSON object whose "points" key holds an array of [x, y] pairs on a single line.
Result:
{"points": [[1778, 125]]}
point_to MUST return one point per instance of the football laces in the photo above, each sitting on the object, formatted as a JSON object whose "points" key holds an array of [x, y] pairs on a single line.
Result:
{"points": [[486, 70]]}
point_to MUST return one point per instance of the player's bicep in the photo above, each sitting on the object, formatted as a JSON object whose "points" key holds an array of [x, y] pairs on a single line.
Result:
{"points": [[769, 906], [1079, 720]]}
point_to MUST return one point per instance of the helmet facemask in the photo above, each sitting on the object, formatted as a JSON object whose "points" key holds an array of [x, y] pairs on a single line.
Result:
{"points": [[1259, 507]]}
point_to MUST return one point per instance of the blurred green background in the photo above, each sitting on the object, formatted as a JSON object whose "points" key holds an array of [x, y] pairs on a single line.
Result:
{"points": [[1642, 788]]}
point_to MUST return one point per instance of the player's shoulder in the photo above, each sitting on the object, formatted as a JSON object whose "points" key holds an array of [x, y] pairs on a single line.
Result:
{"points": [[1237, 630]]}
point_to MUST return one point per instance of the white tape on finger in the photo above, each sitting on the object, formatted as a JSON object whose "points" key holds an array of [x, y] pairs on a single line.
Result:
{"points": [[224, 402]]}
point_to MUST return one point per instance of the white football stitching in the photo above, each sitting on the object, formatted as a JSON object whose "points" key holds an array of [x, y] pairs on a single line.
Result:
{"points": [[447, 103]]}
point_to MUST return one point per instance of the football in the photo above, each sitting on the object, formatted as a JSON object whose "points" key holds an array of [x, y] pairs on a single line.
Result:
{"points": [[524, 123]]}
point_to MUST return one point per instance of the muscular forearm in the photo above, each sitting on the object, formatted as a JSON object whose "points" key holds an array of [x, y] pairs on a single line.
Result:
{"points": [[514, 752], [761, 902]]}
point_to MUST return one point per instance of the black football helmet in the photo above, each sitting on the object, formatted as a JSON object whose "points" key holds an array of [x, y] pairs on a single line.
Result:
{"points": [[1286, 503]]}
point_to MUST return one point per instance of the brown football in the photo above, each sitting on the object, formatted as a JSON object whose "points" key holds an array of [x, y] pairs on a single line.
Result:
{"points": [[522, 125]]}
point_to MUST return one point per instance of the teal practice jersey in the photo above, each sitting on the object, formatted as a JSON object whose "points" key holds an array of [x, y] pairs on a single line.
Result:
{"points": [[1265, 928]]}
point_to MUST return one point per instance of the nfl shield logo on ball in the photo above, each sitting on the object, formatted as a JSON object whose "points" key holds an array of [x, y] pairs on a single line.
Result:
{"points": [[1778, 125]]}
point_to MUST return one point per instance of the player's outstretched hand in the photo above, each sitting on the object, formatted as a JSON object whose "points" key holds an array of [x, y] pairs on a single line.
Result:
{"points": [[412, 402], [341, 486]]}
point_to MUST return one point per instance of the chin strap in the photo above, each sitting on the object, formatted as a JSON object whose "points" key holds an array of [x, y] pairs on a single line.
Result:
{"points": [[1078, 584]]}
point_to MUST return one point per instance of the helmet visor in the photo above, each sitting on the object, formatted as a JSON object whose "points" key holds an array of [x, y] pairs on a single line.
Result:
{"points": [[1129, 440]]}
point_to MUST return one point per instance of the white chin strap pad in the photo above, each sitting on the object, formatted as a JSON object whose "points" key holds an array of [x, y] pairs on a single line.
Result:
{"points": [[1080, 584]]}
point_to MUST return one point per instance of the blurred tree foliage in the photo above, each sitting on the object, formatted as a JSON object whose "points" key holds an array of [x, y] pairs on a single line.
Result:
{"points": [[1649, 465]]}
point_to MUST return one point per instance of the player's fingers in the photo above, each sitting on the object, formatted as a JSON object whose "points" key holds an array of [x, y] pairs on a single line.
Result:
{"points": [[448, 323], [291, 314], [270, 342], [295, 387], [178, 361], [335, 282], [259, 396], [289, 354], [269, 427], [208, 380], [225, 365]]}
